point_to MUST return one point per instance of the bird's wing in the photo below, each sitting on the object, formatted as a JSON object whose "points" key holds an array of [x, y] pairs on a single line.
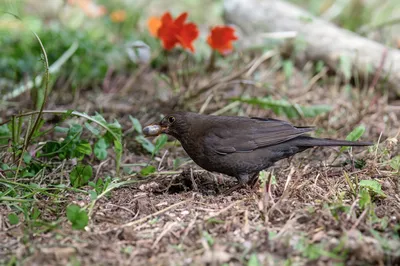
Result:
{"points": [[249, 134]]}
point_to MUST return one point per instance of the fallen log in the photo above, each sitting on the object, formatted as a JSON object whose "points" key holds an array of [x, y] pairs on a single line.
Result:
{"points": [[324, 40]]}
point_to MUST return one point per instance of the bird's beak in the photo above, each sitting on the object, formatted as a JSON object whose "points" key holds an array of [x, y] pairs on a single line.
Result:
{"points": [[154, 130], [164, 129]]}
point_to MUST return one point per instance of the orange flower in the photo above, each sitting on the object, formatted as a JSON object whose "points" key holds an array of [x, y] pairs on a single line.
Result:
{"points": [[172, 32], [118, 16], [221, 38], [154, 24]]}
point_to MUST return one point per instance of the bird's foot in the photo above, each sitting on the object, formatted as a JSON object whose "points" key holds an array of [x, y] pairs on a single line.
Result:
{"points": [[250, 188], [250, 184]]}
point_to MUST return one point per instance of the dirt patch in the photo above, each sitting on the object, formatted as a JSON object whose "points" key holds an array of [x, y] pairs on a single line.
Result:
{"points": [[142, 225]]}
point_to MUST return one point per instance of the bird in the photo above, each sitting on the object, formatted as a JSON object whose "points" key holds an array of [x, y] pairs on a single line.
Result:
{"points": [[238, 146]]}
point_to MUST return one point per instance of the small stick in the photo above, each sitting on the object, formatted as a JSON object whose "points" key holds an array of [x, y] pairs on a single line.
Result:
{"points": [[225, 209], [360, 219], [168, 227], [141, 220], [195, 188]]}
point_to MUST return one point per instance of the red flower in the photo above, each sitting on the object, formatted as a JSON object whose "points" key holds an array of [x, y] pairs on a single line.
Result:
{"points": [[172, 32], [221, 38]]}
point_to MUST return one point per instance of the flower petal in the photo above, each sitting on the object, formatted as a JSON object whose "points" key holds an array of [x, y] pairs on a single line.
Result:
{"points": [[167, 19], [221, 38], [187, 35], [179, 21], [154, 24], [174, 31]]}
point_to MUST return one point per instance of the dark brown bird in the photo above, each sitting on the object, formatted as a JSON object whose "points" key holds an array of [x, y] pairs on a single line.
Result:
{"points": [[238, 146]]}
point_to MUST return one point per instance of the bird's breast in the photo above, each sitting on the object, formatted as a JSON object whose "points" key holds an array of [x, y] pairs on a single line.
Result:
{"points": [[202, 154]]}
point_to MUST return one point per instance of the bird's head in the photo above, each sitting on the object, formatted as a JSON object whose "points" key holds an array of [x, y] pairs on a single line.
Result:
{"points": [[174, 124]]}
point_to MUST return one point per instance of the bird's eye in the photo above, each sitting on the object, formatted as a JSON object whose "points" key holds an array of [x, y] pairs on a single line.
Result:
{"points": [[171, 119]]}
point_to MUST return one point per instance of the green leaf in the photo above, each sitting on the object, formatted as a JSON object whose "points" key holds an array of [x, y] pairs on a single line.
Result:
{"points": [[4, 166], [179, 162], [146, 144], [253, 261], [80, 175], [319, 66], [354, 136], [287, 68], [84, 147], [208, 238], [35, 213], [115, 128], [214, 220], [74, 132], [136, 124], [26, 173], [99, 118], [365, 198], [27, 157], [315, 110], [59, 129], [93, 195], [312, 251], [92, 129], [13, 218], [356, 133], [100, 184], [395, 163], [284, 107], [78, 217], [50, 148], [100, 149], [37, 130], [115, 125], [127, 170], [4, 131], [114, 131], [4, 134], [118, 152], [67, 114], [147, 170], [160, 142], [373, 186]]}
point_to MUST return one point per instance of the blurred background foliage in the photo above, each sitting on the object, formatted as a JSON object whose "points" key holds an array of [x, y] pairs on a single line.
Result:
{"points": [[102, 29]]}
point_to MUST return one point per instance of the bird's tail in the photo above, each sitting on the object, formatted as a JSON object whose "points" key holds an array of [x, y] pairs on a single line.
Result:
{"points": [[306, 141]]}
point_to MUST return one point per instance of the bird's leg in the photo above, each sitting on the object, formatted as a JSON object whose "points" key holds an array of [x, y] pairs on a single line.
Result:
{"points": [[253, 180], [243, 182]]}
